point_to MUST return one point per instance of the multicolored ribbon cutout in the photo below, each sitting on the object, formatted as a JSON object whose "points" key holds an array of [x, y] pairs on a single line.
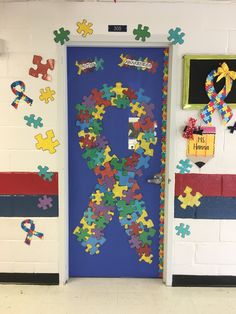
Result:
{"points": [[30, 230], [18, 88], [217, 99]]}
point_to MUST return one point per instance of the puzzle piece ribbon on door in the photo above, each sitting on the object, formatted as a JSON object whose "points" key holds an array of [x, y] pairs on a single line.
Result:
{"points": [[117, 186]]}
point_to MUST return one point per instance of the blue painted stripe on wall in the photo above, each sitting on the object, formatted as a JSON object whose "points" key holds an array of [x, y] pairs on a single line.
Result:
{"points": [[26, 206], [210, 208]]}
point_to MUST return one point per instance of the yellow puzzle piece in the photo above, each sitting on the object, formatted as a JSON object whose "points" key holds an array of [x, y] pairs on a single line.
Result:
{"points": [[119, 189], [137, 108], [189, 199], [118, 89], [147, 259], [46, 94], [98, 114], [47, 143], [97, 197], [84, 28], [145, 222]]}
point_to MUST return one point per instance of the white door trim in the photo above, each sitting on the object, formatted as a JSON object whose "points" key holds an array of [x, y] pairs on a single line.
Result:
{"points": [[119, 41]]}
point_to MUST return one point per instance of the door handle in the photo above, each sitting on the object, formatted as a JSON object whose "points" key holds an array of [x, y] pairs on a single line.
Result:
{"points": [[157, 178]]}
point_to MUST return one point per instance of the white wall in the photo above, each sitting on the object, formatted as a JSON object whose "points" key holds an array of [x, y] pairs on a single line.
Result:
{"points": [[27, 30]]}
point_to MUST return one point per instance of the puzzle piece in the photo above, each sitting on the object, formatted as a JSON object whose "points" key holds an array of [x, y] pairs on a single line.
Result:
{"points": [[134, 242], [176, 36], [144, 236], [32, 121], [99, 112], [130, 93], [189, 199], [46, 94], [184, 166], [44, 173], [45, 202], [118, 89], [47, 143], [141, 97], [42, 68], [81, 233], [122, 102], [107, 94], [137, 107], [144, 250], [142, 219], [61, 36], [88, 214], [147, 259], [118, 190], [232, 128], [98, 234], [104, 171], [124, 179], [182, 230], [84, 28], [141, 32], [88, 102], [85, 225], [97, 197], [99, 64]]}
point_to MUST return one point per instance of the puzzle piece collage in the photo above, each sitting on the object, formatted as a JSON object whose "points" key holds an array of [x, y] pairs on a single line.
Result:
{"points": [[117, 188]]}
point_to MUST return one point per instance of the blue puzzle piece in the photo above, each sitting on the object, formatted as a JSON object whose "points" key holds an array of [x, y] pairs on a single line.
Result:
{"points": [[143, 160], [176, 36], [107, 94], [124, 179], [182, 230], [95, 243], [83, 125], [88, 216], [101, 188], [128, 221], [142, 98], [184, 166]]}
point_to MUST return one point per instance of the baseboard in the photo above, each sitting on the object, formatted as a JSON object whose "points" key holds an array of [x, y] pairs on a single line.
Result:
{"points": [[203, 281], [29, 278]]}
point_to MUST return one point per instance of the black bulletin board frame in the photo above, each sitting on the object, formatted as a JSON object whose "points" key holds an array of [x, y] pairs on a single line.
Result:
{"points": [[196, 69]]}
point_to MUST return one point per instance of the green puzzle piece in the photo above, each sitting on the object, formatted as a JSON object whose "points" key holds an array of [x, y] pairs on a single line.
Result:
{"points": [[96, 127], [122, 102], [101, 222], [118, 165], [83, 235], [145, 234], [108, 199]]}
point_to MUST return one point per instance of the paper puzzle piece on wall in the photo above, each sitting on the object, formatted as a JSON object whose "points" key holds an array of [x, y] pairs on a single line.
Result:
{"points": [[201, 148], [84, 28], [45, 202], [31, 120], [30, 231], [47, 143], [46, 94], [18, 88], [176, 36], [184, 166], [42, 68], [183, 230], [45, 174], [217, 99], [61, 35], [141, 32], [189, 199], [232, 128]]}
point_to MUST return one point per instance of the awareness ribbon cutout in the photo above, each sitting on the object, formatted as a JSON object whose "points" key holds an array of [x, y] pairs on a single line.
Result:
{"points": [[18, 88], [217, 99], [30, 230], [117, 186]]}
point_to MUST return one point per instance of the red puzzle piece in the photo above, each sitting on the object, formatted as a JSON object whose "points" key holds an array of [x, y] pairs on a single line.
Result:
{"points": [[154, 67], [97, 96], [135, 228], [107, 171], [132, 160], [146, 250], [148, 125], [87, 141], [42, 68], [130, 93], [84, 116]]}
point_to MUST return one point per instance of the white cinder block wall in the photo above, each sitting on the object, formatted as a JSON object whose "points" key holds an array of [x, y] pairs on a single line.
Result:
{"points": [[27, 29]]}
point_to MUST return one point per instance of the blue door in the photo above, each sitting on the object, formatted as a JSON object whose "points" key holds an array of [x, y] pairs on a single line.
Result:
{"points": [[116, 134]]}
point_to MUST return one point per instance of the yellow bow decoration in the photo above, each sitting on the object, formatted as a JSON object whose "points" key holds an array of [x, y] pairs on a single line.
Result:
{"points": [[223, 71]]}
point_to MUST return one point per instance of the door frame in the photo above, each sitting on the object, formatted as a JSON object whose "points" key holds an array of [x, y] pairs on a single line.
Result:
{"points": [[63, 227]]}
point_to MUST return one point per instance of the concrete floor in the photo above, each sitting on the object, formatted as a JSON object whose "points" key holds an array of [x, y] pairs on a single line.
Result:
{"points": [[115, 296]]}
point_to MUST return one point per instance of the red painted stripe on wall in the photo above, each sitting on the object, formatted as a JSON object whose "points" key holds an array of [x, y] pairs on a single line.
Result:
{"points": [[207, 184], [27, 183]]}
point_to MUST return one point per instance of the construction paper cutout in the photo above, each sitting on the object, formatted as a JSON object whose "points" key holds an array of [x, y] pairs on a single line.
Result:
{"points": [[47, 143], [31, 120], [232, 128], [189, 199], [18, 88], [46, 95], [84, 28], [45, 202], [133, 132], [88, 66], [141, 32], [44, 173], [190, 128], [61, 35], [176, 36], [30, 231], [117, 186], [184, 166], [201, 148], [42, 68], [143, 64], [217, 99], [183, 230]]}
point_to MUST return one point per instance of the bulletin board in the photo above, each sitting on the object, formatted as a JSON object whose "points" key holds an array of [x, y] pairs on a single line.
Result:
{"points": [[196, 69]]}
